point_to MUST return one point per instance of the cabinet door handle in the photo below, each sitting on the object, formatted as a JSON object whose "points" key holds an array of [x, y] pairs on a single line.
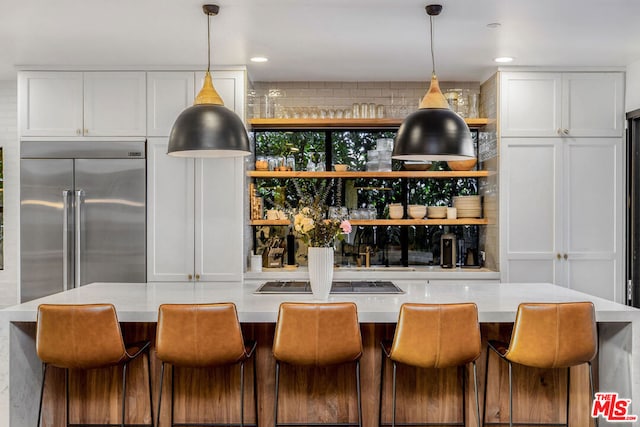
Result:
{"points": [[189, 276], [559, 131], [197, 277], [565, 131], [558, 256], [565, 256], [86, 131], [78, 131]]}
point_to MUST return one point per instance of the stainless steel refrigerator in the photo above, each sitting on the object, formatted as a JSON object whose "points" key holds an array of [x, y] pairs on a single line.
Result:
{"points": [[82, 214]]}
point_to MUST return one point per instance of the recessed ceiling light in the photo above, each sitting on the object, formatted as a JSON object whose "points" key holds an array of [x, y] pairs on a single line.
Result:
{"points": [[503, 59], [259, 59], [494, 25]]}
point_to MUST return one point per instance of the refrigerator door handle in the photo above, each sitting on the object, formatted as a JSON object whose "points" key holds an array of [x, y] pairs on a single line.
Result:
{"points": [[65, 239], [78, 240]]}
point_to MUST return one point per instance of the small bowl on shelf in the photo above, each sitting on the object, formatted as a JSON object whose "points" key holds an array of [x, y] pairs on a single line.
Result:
{"points": [[416, 166], [341, 168], [437, 212], [462, 165], [417, 211], [396, 211]]}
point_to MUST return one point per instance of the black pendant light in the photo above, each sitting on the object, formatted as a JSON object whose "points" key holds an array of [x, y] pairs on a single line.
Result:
{"points": [[208, 128], [434, 132]]}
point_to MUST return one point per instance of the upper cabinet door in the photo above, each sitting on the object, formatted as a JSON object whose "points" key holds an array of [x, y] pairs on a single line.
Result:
{"points": [[115, 103], [593, 104], [50, 103], [168, 94], [530, 104]]}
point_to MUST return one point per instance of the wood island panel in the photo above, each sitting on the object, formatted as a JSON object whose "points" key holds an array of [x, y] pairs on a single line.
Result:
{"points": [[324, 394]]}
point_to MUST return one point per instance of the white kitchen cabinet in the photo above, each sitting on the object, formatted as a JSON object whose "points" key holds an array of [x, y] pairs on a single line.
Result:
{"points": [[538, 104], [62, 103], [50, 103], [169, 93], [194, 218], [115, 103], [562, 213]]}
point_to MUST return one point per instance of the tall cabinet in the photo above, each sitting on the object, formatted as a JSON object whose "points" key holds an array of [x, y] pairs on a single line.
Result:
{"points": [[561, 173], [195, 206]]}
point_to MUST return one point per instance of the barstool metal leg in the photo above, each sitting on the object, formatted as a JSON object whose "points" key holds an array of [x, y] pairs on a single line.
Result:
{"points": [[255, 388], [124, 392], [44, 374], [242, 394], [568, 393], [66, 388], [475, 387], [158, 414], [275, 409], [150, 388], [591, 386], [393, 399], [510, 396], [359, 393], [486, 379], [172, 390], [382, 363]]}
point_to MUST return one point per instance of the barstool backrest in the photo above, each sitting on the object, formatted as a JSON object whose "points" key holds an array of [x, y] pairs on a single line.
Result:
{"points": [[317, 334], [553, 335], [82, 336], [437, 335], [199, 335]]}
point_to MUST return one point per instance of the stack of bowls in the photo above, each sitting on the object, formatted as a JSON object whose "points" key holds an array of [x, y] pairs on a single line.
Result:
{"points": [[437, 212], [468, 206], [417, 211]]}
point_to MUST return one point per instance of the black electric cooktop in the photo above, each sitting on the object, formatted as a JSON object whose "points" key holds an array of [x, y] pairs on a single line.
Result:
{"points": [[341, 287]]}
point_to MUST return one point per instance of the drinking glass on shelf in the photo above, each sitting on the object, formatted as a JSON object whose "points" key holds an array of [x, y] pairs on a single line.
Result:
{"points": [[320, 166], [355, 110]]}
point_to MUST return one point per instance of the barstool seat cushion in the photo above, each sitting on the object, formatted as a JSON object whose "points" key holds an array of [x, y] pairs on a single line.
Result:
{"points": [[83, 336], [437, 335], [200, 335], [317, 334], [556, 335]]}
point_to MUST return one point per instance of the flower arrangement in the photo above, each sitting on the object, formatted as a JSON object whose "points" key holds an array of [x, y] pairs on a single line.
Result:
{"points": [[316, 230], [310, 220]]}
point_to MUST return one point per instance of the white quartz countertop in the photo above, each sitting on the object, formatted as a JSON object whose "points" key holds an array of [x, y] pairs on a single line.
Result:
{"points": [[138, 302]]}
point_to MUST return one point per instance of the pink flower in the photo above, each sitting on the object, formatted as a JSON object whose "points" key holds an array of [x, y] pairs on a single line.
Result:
{"points": [[345, 226]]}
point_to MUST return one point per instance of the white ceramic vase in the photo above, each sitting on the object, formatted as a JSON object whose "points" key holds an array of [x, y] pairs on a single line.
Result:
{"points": [[320, 271]]}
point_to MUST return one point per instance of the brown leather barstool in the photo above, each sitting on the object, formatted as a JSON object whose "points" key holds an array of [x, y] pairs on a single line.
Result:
{"points": [[317, 334], [547, 336], [434, 336], [85, 336], [202, 336]]}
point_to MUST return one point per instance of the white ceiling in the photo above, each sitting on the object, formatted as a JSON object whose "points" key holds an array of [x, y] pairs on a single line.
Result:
{"points": [[321, 39]]}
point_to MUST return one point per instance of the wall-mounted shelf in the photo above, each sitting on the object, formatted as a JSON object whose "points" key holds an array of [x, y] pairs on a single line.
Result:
{"points": [[389, 222], [363, 174], [265, 124]]}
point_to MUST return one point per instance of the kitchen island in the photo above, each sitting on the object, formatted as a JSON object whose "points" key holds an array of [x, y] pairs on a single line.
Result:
{"points": [[137, 304]]}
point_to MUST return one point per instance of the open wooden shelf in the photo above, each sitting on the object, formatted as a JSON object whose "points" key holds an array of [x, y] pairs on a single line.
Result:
{"points": [[389, 222], [363, 174], [265, 124]]}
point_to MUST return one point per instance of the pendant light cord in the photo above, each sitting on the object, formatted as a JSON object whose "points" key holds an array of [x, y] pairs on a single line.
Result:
{"points": [[433, 58], [208, 42]]}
